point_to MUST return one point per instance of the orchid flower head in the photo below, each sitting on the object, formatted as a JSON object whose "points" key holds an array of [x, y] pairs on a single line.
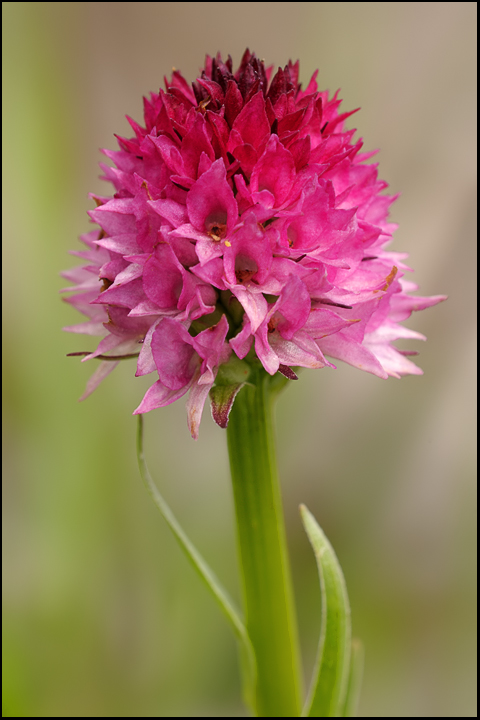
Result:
{"points": [[245, 226]]}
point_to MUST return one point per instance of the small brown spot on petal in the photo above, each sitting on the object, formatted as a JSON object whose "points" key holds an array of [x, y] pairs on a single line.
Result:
{"points": [[272, 324], [245, 268], [216, 225], [105, 284], [244, 275], [217, 232], [144, 185]]}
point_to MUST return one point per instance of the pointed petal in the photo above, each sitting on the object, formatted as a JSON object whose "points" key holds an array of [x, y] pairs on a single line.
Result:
{"points": [[158, 395], [104, 369], [196, 401], [222, 398]]}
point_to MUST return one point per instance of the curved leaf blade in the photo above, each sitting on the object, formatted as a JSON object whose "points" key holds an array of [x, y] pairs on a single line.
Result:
{"points": [[354, 679], [247, 655], [328, 689]]}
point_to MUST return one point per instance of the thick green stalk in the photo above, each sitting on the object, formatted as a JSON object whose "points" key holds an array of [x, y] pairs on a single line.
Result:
{"points": [[267, 588]]}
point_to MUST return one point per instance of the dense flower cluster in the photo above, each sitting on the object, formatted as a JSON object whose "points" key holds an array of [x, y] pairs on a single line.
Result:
{"points": [[245, 224]]}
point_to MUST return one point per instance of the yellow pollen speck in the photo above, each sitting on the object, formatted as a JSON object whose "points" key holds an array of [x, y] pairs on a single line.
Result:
{"points": [[388, 280], [145, 186], [228, 244]]}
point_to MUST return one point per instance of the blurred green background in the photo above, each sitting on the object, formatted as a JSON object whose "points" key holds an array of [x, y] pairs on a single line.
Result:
{"points": [[103, 616]]}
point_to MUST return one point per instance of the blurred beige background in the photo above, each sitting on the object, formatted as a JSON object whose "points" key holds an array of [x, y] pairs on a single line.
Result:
{"points": [[103, 616]]}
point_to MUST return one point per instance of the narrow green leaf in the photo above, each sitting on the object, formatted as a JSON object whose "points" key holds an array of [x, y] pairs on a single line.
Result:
{"points": [[326, 697], [208, 576], [354, 679]]}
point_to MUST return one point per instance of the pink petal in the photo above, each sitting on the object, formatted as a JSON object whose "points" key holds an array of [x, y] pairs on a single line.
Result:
{"points": [[265, 353], [158, 396], [104, 369], [275, 171], [292, 308], [323, 322], [300, 351], [402, 305], [211, 202], [253, 303], [242, 342], [195, 403], [86, 328], [146, 362], [340, 347], [194, 144], [115, 217], [249, 256], [252, 122], [174, 212], [174, 356], [393, 362], [162, 278]]}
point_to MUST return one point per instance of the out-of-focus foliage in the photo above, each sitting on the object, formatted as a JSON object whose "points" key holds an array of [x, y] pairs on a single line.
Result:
{"points": [[102, 615]]}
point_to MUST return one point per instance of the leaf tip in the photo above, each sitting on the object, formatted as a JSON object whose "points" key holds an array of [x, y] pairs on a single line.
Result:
{"points": [[305, 513]]}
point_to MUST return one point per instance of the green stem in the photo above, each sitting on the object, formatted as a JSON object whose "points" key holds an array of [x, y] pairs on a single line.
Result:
{"points": [[267, 588]]}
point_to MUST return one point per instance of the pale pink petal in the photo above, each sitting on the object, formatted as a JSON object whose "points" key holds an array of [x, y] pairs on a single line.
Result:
{"points": [[242, 342], [174, 356], [146, 362], [342, 348], [393, 362], [253, 303], [211, 203], [87, 328], [301, 350], [104, 369], [158, 396], [195, 404]]}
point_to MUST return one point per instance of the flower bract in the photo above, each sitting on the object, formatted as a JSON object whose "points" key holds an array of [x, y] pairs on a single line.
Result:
{"points": [[245, 225]]}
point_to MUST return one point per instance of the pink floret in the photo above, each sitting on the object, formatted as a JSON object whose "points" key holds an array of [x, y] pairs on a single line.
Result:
{"points": [[244, 223]]}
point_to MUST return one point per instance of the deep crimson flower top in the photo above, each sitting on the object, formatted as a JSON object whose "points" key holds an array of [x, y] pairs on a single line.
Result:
{"points": [[245, 224]]}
